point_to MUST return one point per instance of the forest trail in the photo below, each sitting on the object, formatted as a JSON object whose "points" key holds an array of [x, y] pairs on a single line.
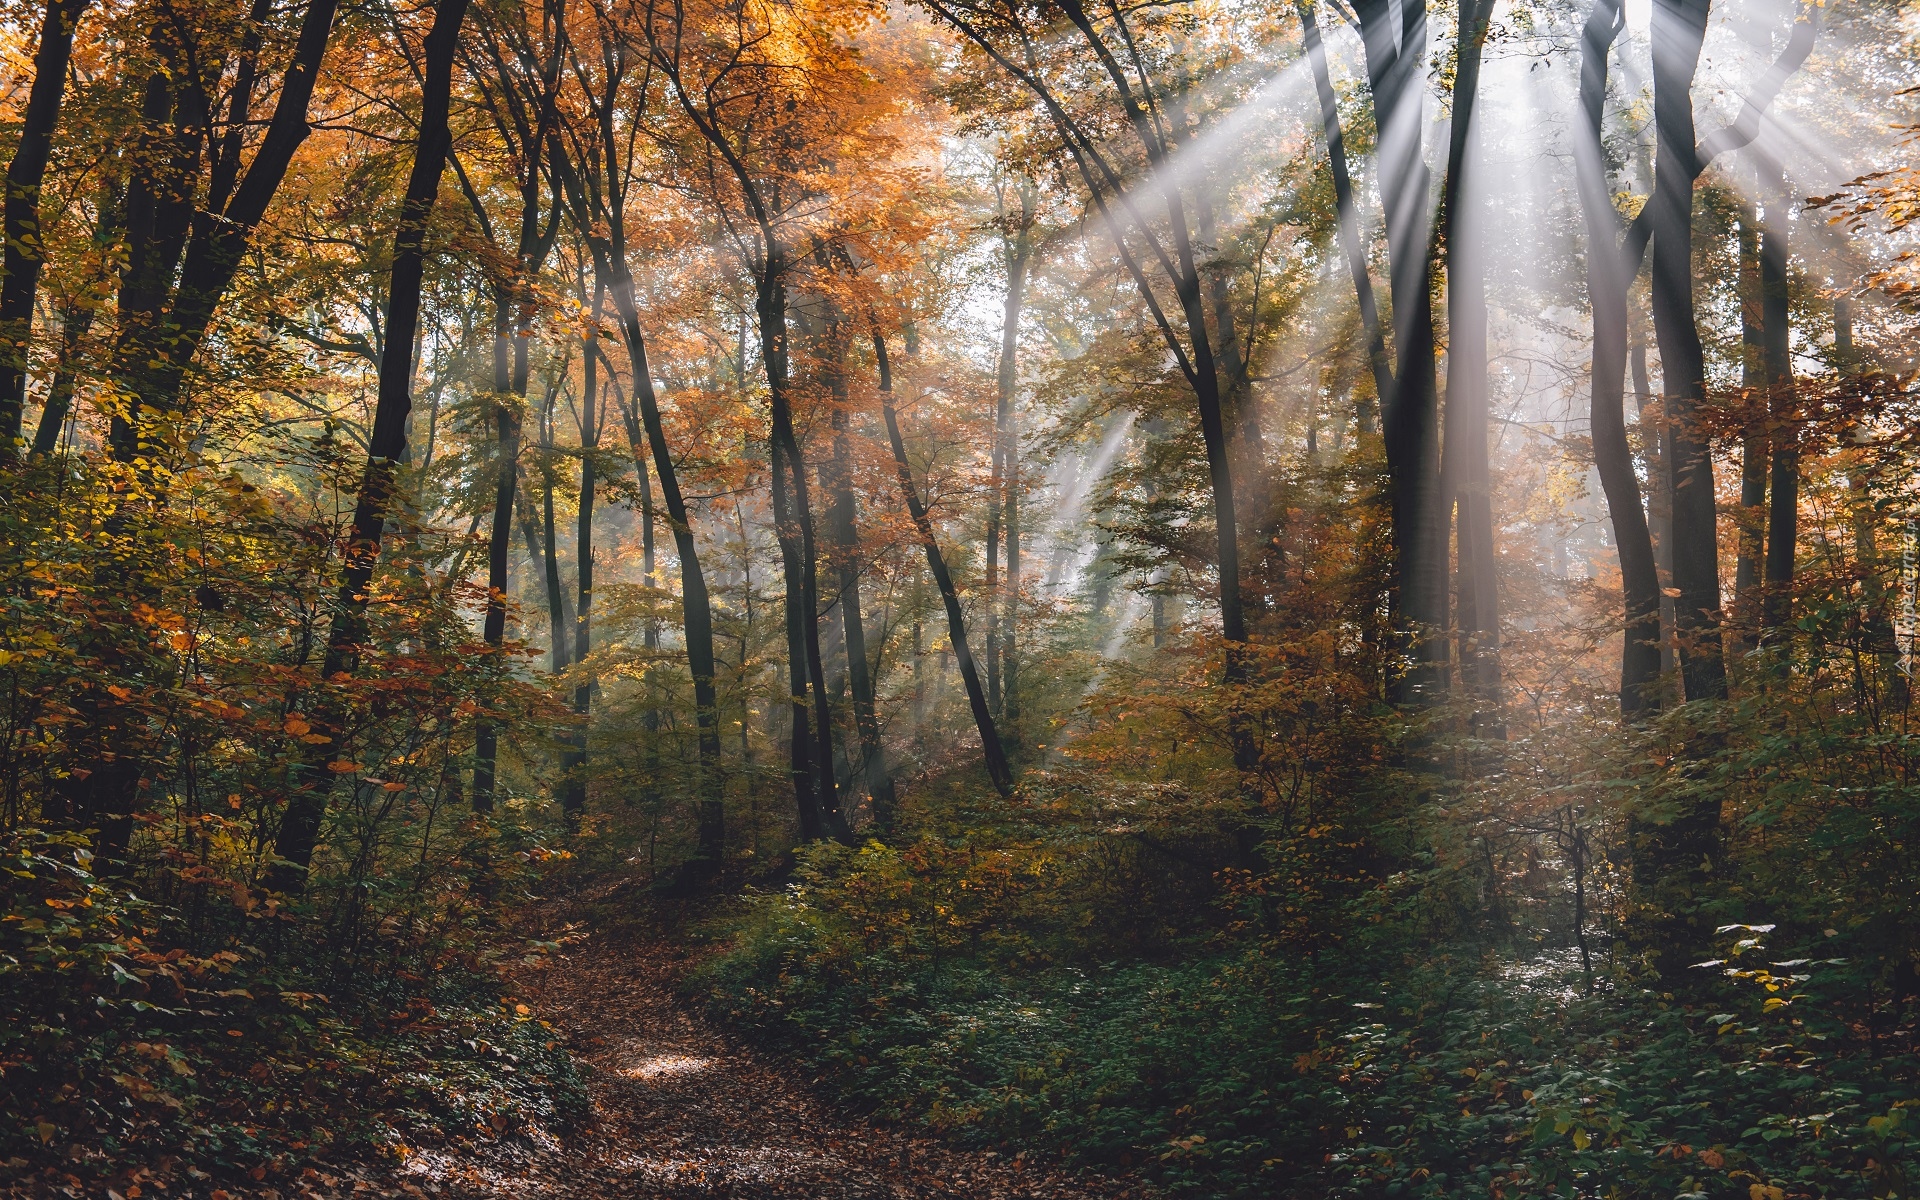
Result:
{"points": [[681, 1110]]}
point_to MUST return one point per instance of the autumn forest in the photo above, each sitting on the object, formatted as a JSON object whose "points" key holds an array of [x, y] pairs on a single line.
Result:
{"points": [[802, 598]]}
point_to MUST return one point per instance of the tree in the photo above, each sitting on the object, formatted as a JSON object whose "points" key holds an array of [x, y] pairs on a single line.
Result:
{"points": [[307, 799], [597, 177], [25, 252]]}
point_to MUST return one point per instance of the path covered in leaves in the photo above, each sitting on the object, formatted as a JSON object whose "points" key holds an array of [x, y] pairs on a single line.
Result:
{"points": [[682, 1111]]}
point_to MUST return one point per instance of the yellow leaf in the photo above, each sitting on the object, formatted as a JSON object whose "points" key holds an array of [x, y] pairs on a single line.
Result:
{"points": [[1581, 1139]]}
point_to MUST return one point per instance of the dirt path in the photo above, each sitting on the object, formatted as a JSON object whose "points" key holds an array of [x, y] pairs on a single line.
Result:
{"points": [[682, 1111]]}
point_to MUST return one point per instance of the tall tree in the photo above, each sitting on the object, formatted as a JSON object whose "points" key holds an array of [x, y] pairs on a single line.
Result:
{"points": [[1006, 34], [597, 171], [592, 405], [745, 108], [1394, 37], [1608, 281], [307, 797], [516, 65], [836, 478], [1751, 521]]}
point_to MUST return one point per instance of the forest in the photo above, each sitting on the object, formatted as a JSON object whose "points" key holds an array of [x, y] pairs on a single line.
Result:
{"points": [[984, 598]]}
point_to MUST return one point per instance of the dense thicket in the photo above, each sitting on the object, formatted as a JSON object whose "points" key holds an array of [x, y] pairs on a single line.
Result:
{"points": [[1111, 544]]}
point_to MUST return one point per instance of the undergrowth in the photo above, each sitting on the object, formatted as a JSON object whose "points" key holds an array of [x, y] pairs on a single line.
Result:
{"points": [[127, 1045], [981, 984]]}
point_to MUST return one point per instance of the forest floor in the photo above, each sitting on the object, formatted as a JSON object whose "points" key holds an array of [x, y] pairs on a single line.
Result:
{"points": [[680, 1109]]}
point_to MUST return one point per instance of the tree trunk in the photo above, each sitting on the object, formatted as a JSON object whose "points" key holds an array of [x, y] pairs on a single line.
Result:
{"points": [[812, 744], [1467, 401], [842, 529], [506, 422], [1016, 241], [1396, 54], [154, 351], [995, 756], [25, 252], [1679, 28], [159, 215], [76, 320], [307, 800], [600, 216], [1651, 413], [1752, 522], [1010, 631], [1783, 511], [1609, 273], [573, 763]]}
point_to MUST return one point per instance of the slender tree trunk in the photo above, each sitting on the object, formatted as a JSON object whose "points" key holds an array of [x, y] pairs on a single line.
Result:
{"points": [[1783, 512], [1651, 413], [1467, 400], [696, 605], [574, 761], [919, 663], [506, 425], [842, 518], [536, 544], [990, 748], [1679, 28], [1752, 522], [307, 800], [1017, 249], [812, 764], [76, 320], [1346, 215], [25, 251], [1010, 629], [1877, 617], [560, 635]]}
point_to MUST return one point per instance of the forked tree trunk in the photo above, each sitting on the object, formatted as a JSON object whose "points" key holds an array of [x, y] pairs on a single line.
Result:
{"points": [[1609, 272], [172, 310]]}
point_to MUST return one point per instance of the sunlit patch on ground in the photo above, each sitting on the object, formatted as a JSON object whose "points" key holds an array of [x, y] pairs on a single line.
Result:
{"points": [[667, 1066], [732, 1165]]}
